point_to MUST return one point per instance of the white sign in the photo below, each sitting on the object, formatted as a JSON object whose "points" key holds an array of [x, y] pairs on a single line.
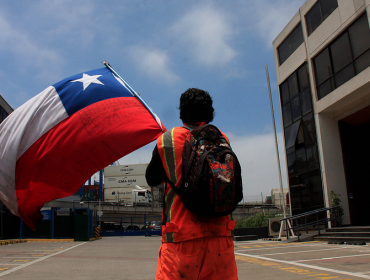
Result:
{"points": [[122, 170], [63, 212]]}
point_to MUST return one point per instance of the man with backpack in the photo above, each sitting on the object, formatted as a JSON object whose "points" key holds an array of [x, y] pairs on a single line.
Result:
{"points": [[203, 187]]}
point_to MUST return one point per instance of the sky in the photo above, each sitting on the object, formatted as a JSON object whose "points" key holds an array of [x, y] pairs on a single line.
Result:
{"points": [[161, 48]]}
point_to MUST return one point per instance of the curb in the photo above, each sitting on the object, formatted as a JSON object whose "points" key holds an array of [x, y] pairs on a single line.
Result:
{"points": [[95, 238], [15, 241], [271, 239], [49, 240], [347, 243], [336, 242]]}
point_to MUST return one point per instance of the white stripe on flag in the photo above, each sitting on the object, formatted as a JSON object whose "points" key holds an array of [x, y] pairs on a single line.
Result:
{"points": [[19, 131]]}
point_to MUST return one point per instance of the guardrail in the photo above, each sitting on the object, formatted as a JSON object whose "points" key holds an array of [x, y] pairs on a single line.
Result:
{"points": [[310, 219]]}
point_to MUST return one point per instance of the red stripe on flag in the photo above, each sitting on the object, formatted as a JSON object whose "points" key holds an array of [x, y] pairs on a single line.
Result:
{"points": [[63, 159]]}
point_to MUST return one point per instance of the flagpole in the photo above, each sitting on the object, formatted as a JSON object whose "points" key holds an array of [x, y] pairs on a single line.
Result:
{"points": [[276, 144], [133, 92]]}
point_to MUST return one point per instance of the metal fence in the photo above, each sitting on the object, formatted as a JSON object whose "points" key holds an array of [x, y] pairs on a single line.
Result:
{"points": [[129, 226]]}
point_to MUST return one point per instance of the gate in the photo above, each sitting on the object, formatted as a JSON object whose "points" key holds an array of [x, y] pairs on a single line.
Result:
{"points": [[129, 226]]}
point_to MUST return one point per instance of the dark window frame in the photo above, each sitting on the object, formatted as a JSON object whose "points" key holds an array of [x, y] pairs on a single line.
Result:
{"points": [[330, 81], [297, 94], [287, 43], [323, 17]]}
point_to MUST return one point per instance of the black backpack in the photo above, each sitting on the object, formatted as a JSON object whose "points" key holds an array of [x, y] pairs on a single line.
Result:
{"points": [[211, 182]]}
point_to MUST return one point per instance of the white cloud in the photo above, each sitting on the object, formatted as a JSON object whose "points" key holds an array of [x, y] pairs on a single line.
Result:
{"points": [[205, 33], [272, 16], [73, 22], [154, 63], [257, 156], [25, 50]]}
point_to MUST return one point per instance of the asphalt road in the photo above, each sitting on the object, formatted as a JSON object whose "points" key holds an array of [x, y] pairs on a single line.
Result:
{"points": [[136, 258]]}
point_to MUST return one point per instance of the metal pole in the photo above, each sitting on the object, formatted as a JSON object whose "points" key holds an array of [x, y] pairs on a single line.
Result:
{"points": [[276, 145], [2, 233], [100, 185]]}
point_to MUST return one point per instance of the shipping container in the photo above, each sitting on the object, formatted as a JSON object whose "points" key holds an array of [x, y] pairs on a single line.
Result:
{"points": [[123, 170], [125, 181]]}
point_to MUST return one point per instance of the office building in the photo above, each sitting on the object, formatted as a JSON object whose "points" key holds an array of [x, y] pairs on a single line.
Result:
{"points": [[322, 60]]}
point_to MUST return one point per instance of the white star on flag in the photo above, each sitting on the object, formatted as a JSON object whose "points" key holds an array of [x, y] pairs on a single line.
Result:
{"points": [[87, 80]]}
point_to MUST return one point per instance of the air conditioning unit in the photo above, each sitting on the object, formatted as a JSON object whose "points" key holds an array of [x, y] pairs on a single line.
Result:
{"points": [[274, 227]]}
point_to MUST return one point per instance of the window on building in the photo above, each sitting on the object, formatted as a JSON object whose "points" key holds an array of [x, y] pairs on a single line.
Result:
{"points": [[300, 141], [3, 114], [344, 58], [290, 44], [318, 13]]}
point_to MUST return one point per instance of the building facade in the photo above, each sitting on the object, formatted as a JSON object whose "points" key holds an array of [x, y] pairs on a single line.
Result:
{"points": [[322, 60]]}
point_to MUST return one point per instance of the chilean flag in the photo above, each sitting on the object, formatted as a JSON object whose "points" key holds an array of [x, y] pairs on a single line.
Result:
{"points": [[51, 145]]}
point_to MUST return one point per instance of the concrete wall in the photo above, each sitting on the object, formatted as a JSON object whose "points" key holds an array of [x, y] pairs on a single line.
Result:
{"points": [[332, 169]]}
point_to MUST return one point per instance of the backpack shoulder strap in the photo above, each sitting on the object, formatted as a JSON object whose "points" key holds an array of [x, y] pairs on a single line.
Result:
{"points": [[190, 127]]}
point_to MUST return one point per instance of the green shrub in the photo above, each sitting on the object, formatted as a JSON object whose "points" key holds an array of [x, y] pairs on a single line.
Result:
{"points": [[336, 213], [259, 220]]}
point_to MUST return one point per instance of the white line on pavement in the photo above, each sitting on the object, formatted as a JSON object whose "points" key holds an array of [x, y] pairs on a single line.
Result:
{"points": [[340, 257], [306, 265], [38, 260], [300, 251]]}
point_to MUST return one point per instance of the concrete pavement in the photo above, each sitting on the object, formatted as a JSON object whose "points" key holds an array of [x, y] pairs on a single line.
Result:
{"points": [[136, 258]]}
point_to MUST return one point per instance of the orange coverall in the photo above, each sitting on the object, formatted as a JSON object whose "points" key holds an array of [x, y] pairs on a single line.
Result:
{"points": [[192, 247]]}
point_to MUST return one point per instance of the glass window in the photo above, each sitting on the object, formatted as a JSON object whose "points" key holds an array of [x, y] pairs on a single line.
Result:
{"points": [[283, 51], [327, 7], [296, 38], [290, 44], [300, 135], [306, 101], [309, 123], [312, 158], [290, 150], [301, 166], [344, 58], [322, 66], [359, 35], [291, 138], [287, 116], [5, 114], [362, 62], [344, 75], [284, 90], [324, 89], [318, 13], [286, 134], [293, 85], [296, 108], [291, 164], [303, 77], [313, 18], [308, 139], [316, 189], [341, 53], [1, 114]]}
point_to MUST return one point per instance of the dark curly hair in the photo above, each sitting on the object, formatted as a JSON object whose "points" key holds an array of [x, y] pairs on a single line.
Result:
{"points": [[196, 106]]}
